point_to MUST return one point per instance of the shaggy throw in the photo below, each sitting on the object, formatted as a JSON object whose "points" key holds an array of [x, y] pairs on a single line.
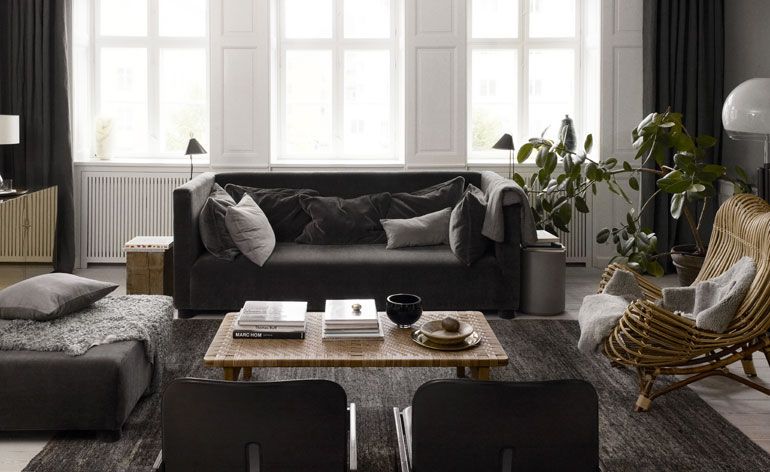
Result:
{"points": [[713, 303], [142, 318], [600, 313]]}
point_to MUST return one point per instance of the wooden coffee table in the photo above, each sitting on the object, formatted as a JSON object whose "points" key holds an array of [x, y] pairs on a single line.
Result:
{"points": [[396, 350]]}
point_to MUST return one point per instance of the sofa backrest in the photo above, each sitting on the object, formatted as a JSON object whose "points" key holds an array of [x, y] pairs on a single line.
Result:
{"points": [[346, 184]]}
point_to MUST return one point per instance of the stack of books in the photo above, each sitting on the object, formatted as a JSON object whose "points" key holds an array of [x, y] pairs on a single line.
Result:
{"points": [[271, 320], [342, 322]]}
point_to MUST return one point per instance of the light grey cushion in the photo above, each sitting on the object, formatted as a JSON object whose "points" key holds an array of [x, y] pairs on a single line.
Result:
{"points": [[50, 296], [212, 226], [465, 226], [426, 230], [250, 230]]}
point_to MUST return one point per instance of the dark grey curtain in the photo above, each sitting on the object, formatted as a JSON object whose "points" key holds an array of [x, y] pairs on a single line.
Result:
{"points": [[684, 70], [34, 84]]}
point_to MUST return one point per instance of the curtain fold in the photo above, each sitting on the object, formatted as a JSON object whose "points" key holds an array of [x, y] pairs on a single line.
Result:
{"points": [[683, 70], [34, 84]]}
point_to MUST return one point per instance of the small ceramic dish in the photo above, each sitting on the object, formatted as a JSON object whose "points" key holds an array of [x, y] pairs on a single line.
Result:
{"points": [[470, 341], [438, 335]]}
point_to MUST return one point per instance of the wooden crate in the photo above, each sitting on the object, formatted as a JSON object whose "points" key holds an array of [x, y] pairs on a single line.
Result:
{"points": [[150, 273]]}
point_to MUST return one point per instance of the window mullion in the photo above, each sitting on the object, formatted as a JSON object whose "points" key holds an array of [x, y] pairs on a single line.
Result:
{"points": [[153, 79], [338, 80]]}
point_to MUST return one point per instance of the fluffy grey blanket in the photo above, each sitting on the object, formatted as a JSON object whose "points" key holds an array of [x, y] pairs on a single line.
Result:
{"points": [[145, 318], [500, 192], [711, 303]]}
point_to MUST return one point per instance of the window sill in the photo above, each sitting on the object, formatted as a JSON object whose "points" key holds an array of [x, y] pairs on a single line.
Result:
{"points": [[141, 162]]}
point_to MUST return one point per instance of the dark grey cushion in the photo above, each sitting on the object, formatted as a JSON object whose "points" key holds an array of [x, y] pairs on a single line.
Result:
{"points": [[50, 296], [427, 200], [465, 226], [344, 221], [425, 230], [212, 226], [281, 206], [250, 230]]}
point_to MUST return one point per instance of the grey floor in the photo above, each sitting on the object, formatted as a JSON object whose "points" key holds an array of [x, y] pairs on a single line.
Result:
{"points": [[746, 408]]}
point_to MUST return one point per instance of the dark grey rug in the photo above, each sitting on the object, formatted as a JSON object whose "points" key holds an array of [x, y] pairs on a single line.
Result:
{"points": [[680, 433]]}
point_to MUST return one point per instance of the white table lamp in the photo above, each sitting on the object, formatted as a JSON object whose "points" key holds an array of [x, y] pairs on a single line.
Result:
{"points": [[9, 131]]}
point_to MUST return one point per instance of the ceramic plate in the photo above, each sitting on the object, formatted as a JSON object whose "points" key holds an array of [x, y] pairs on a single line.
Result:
{"points": [[473, 340], [438, 335]]}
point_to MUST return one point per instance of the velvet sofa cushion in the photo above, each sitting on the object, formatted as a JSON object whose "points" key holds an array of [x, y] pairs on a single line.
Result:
{"points": [[50, 296], [211, 223], [427, 200], [465, 225], [426, 230], [250, 230], [280, 205], [338, 220]]}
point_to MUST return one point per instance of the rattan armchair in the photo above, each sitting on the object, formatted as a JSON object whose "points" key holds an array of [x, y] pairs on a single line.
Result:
{"points": [[658, 342]]}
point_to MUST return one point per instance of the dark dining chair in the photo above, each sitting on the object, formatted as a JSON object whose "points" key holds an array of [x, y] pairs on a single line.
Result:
{"points": [[461, 425], [298, 425]]}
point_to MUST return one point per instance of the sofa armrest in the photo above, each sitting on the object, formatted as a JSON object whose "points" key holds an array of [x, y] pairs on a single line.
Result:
{"points": [[188, 202]]}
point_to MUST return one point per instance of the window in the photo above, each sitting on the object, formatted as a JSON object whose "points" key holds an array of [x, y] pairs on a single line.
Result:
{"points": [[530, 63], [150, 75], [338, 88]]}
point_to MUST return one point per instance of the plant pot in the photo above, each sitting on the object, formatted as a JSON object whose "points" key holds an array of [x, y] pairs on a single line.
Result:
{"points": [[687, 262]]}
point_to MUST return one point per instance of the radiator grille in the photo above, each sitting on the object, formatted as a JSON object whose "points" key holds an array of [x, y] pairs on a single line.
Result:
{"points": [[120, 207], [39, 208]]}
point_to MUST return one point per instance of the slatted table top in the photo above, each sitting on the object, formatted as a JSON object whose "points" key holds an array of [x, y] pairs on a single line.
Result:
{"points": [[396, 350]]}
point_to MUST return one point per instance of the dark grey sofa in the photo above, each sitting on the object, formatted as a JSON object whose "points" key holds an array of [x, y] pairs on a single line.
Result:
{"points": [[316, 273], [55, 391]]}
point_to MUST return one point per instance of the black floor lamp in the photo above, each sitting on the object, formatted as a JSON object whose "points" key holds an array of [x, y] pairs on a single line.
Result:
{"points": [[193, 147]]}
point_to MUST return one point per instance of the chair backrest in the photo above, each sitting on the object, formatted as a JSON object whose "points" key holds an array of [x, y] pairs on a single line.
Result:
{"points": [[505, 426], [742, 228], [211, 425]]}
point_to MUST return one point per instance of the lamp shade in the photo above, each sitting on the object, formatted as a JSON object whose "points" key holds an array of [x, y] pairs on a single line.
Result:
{"points": [[9, 129], [505, 143], [746, 112], [194, 147]]}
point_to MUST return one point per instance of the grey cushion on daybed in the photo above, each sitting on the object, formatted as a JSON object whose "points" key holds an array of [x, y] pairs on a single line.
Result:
{"points": [[465, 226], [50, 296], [216, 239], [250, 230], [426, 230]]}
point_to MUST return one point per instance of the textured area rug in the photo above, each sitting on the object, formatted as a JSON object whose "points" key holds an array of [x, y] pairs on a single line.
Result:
{"points": [[680, 433]]}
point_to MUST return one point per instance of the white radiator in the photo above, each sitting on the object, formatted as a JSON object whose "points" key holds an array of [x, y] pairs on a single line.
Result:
{"points": [[117, 207]]}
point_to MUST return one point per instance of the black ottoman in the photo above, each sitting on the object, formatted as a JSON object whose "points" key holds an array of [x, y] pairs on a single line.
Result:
{"points": [[55, 391]]}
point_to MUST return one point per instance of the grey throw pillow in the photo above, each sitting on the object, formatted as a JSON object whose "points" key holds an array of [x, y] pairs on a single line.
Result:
{"points": [[211, 224], [427, 200], [250, 230], [50, 296], [426, 230], [465, 226]]}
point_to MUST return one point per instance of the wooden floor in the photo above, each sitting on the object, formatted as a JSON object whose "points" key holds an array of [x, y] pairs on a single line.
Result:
{"points": [[747, 409]]}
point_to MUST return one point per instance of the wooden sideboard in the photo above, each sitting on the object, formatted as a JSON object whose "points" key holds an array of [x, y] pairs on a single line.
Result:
{"points": [[28, 226]]}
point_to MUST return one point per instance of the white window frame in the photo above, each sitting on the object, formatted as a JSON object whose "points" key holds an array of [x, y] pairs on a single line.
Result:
{"points": [[338, 44], [153, 43], [523, 44]]}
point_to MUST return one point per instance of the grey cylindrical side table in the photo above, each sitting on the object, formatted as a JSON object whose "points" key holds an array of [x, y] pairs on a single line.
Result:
{"points": [[543, 274]]}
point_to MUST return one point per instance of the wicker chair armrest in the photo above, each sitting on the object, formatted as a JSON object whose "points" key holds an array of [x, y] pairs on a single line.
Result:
{"points": [[651, 291]]}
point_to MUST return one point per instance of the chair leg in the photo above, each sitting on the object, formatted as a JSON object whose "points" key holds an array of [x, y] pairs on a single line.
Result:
{"points": [[643, 402], [767, 355], [748, 367]]}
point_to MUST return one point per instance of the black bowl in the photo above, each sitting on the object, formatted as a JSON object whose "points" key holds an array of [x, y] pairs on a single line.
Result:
{"points": [[403, 309]]}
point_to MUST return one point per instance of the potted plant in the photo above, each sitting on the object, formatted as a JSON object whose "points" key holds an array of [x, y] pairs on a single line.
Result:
{"points": [[564, 177]]}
